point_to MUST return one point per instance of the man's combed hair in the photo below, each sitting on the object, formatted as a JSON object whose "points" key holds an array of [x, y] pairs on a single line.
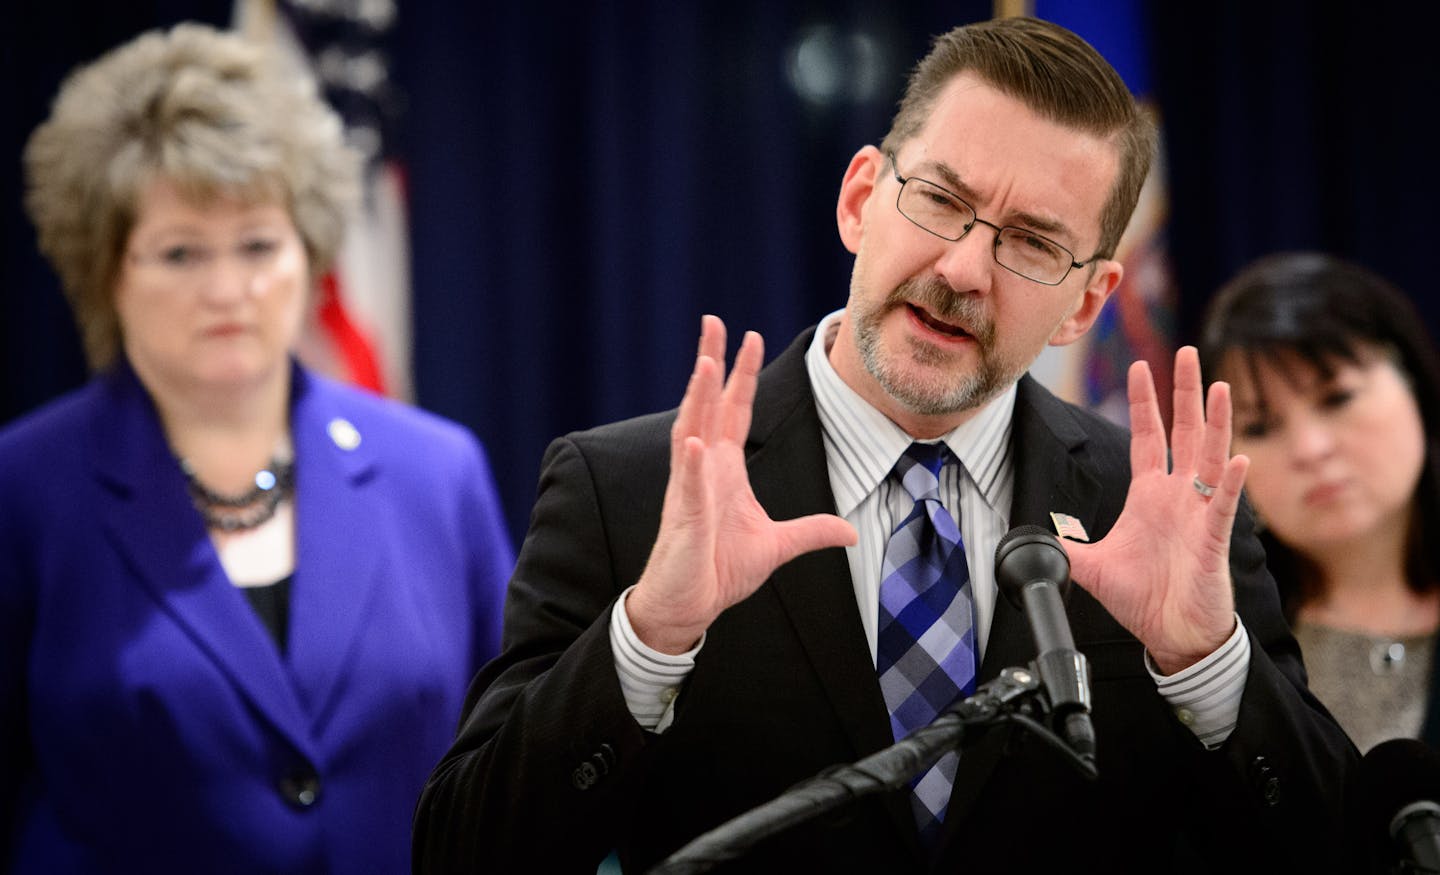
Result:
{"points": [[207, 111], [1056, 74]]}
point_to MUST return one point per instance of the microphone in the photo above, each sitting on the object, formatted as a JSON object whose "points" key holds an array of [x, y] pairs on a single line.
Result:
{"points": [[1033, 571], [1398, 791]]}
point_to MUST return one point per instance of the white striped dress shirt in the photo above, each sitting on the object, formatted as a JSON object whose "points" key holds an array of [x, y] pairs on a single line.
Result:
{"points": [[861, 447]]}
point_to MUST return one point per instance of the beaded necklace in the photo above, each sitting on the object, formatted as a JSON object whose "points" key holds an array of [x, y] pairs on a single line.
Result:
{"points": [[237, 513]]}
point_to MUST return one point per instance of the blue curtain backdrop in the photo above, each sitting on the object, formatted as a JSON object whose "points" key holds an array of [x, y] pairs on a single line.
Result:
{"points": [[1293, 125], [586, 181]]}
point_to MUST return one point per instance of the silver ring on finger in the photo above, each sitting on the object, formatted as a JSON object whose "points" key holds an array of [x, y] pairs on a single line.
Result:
{"points": [[1203, 488]]}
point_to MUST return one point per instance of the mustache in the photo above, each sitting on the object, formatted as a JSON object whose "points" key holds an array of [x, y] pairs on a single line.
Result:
{"points": [[935, 295]]}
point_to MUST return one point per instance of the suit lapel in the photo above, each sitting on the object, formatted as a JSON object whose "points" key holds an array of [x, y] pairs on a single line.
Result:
{"points": [[339, 540], [786, 460], [152, 523], [1049, 478]]}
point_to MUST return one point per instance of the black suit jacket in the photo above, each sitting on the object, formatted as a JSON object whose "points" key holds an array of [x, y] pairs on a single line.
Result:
{"points": [[549, 771]]}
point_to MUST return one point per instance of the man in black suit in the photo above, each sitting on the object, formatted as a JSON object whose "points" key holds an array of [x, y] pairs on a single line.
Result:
{"points": [[686, 638]]}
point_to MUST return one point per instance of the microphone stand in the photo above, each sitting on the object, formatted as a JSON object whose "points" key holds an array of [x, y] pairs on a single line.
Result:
{"points": [[1006, 700]]}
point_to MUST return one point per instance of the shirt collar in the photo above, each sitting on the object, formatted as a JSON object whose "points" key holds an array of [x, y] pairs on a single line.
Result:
{"points": [[862, 444]]}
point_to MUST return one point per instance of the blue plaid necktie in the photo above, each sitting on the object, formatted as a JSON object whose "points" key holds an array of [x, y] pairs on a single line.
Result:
{"points": [[926, 649]]}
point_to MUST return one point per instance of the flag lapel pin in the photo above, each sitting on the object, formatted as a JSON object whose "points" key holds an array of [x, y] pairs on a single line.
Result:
{"points": [[1067, 526]]}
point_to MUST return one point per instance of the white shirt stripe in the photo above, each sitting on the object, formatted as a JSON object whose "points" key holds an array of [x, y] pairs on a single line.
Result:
{"points": [[861, 448], [1206, 696], [650, 680]]}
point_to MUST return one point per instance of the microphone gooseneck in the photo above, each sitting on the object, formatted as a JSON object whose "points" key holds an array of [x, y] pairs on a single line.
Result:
{"points": [[1033, 571]]}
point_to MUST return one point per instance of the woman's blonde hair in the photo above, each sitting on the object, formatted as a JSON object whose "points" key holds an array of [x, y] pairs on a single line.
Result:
{"points": [[210, 112]]}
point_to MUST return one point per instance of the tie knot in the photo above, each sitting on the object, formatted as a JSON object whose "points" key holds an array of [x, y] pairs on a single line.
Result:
{"points": [[919, 469]]}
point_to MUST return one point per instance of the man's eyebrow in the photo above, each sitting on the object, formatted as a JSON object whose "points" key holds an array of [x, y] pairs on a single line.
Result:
{"points": [[950, 178], [1029, 221]]}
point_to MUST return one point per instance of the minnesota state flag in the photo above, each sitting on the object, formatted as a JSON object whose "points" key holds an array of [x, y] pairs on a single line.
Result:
{"points": [[1139, 320]]}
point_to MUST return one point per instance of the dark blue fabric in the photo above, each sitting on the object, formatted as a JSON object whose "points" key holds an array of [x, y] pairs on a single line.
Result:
{"points": [[585, 181], [1298, 125], [586, 184]]}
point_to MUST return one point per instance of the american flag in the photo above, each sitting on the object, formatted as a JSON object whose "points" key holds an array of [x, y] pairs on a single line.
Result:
{"points": [[361, 330], [1067, 526]]}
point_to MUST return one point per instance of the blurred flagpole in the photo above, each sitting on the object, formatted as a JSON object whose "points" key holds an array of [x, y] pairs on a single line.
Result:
{"points": [[1138, 321], [360, 328]]}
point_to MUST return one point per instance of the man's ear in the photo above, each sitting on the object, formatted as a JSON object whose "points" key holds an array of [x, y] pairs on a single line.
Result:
{"points": [[861, 178], [1105, 280]]}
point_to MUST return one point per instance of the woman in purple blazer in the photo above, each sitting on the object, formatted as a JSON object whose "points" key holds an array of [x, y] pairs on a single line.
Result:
{"points": [[239, 603]]}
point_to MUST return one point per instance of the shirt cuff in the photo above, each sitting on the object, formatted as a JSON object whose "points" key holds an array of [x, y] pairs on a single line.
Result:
{"points": [[1206, 696], [649, 679]]}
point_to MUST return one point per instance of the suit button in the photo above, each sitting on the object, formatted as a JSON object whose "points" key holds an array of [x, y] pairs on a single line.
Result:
{"points": [[602, 760], [1267, 779], [1272, 791], [584, 776], [301, 788]]}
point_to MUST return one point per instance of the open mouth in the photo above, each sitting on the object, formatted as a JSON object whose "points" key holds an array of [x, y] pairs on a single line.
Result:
{"points": [[925, 318]]}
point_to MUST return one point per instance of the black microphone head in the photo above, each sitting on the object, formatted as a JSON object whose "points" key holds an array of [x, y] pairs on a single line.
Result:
{"points": [[1393, 775], [1027, 554]]}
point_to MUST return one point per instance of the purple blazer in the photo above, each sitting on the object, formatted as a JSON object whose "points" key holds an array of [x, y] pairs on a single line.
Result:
{"points": [[148, 723]]}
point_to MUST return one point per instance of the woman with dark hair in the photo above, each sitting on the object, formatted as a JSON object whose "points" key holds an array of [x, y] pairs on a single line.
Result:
{"points": [[1337, 403]]}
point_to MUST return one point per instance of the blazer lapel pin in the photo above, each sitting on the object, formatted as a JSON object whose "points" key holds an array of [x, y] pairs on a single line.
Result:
{"points": [[1067, 526]]}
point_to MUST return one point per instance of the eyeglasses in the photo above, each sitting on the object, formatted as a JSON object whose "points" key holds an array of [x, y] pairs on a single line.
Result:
{"points": [[192, 260], [944, 214]]}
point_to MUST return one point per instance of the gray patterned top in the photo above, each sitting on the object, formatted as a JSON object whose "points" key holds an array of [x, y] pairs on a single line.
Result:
{"points": [[1376, 686]]}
